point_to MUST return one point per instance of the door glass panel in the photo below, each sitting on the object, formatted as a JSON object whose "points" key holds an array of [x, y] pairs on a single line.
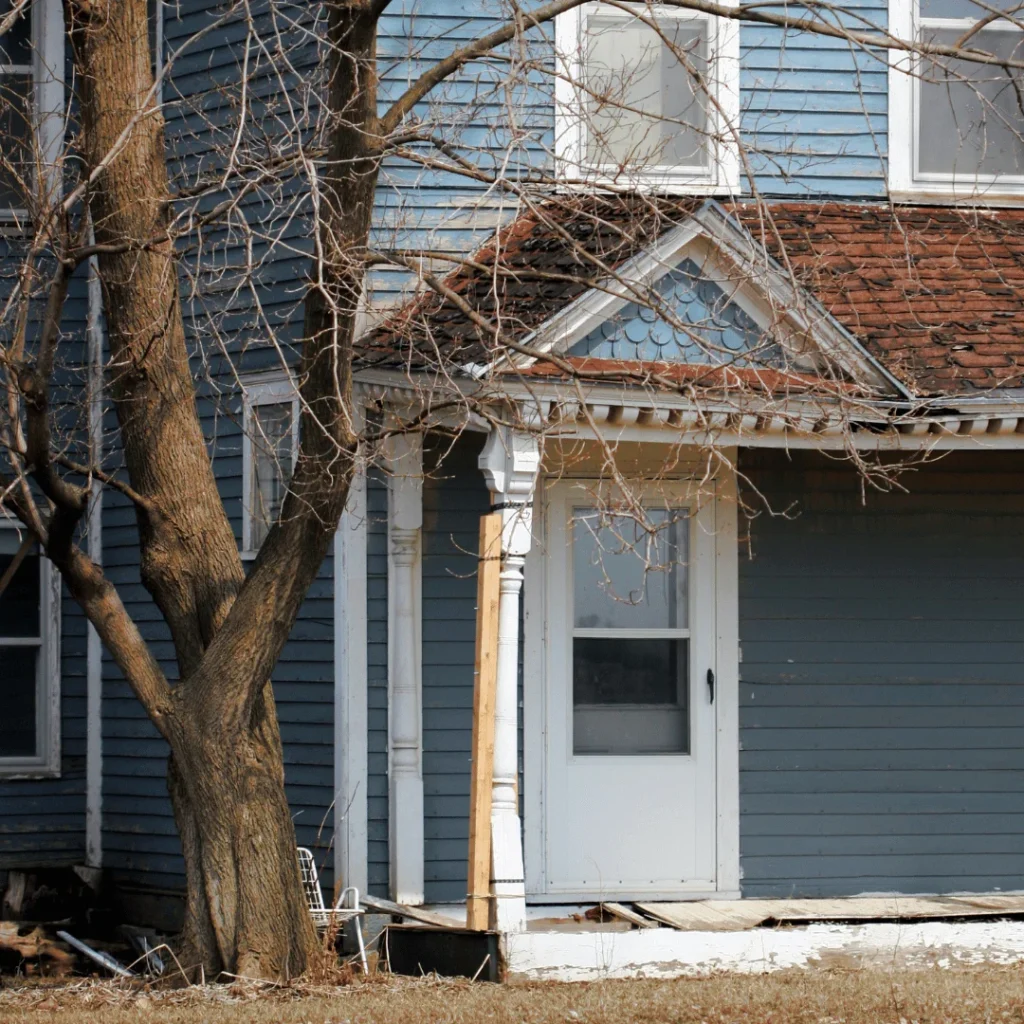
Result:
{"points": [[630, 688], [630, 575], [18, 693], [630, 695]]}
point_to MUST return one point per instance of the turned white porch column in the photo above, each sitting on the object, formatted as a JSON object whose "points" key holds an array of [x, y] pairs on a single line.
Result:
{"points": [[510, 462], [405, 747]]}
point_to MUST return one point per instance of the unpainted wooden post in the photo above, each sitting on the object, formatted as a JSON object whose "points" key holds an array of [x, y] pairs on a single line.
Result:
{"points": [[485, 684]]}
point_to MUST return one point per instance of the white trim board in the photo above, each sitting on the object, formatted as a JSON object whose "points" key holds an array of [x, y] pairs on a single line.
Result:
{"points": [[94, 647], [351, 851]]}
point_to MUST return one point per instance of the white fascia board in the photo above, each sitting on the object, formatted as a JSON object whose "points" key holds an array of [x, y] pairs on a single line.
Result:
{"points": [[801, 308]]}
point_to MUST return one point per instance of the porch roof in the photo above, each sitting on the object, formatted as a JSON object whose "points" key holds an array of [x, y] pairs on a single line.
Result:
{"points": [[935, 295]]}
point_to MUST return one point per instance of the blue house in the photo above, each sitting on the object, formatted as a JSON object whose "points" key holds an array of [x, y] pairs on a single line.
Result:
{"points": [[786, 309]]}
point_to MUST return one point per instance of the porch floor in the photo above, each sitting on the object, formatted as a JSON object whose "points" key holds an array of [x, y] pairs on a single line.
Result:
{"points": [[711, 936], [742, 915]]}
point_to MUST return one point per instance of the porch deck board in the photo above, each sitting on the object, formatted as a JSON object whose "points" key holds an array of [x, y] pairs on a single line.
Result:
{"points": [[740, 915]]}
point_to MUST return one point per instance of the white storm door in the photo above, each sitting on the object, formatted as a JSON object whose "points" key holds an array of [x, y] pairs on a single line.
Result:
{"points": [[630, 765]]}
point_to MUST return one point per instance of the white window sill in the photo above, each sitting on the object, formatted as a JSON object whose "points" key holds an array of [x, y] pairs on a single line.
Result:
{"points": [[662, 184], [26, 772], [925, 195]]}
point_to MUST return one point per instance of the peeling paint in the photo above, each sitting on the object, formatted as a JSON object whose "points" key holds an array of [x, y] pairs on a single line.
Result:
{"points": [[667, 953]]}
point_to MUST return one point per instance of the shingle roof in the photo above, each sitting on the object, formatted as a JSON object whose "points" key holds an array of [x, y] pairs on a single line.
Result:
{"points": [[545, 258], [935, 293]]}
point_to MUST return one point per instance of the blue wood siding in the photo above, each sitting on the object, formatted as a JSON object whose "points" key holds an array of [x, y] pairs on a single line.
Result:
{"points": [[454, 498], [882, 694], [141, 847], [42, 821], [814, 110], [377, 682]]}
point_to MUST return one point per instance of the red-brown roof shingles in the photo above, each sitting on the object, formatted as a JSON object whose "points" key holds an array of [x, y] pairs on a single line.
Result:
{"points": [[936, 293]]}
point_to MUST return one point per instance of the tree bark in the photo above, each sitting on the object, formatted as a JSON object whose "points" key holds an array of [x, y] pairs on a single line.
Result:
{"points": [[245, 911]]}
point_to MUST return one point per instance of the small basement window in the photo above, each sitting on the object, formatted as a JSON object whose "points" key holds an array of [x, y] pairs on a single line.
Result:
{"points": [[967, 134], [649, 96], [29, 653], [269, 449]]}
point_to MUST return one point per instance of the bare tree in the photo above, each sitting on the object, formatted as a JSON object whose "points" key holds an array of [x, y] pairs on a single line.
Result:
{"points": [[314, 145]]}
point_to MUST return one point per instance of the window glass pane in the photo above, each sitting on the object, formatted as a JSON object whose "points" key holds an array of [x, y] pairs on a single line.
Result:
{"points": [[15, 133], [644, 108], [16, 42], [630, 696], [972, 127], [628, 576], [271, 466], [18, 694], [19, 603]]}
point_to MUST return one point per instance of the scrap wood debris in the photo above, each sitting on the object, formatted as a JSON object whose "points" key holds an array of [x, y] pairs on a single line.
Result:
{"points": [[33, 952]]}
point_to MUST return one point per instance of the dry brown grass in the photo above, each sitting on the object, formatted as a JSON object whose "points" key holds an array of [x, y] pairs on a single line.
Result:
{"points": [[980, 996]]}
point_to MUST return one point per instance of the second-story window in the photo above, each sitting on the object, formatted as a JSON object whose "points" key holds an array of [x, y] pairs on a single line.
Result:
{"points": [[15, 108], [956, 125], [647, 95], [271, 425]]}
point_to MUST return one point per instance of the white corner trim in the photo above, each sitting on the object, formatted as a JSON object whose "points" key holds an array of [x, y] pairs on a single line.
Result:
{"points": [[405, 667], [350, 691], [727, 660], [901, 99], [534, 747], [48, 82], [94, 648]]}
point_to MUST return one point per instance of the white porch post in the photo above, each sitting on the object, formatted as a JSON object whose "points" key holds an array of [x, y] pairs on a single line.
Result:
{"points": [[405, 776], [350, 712], [510, 462]]}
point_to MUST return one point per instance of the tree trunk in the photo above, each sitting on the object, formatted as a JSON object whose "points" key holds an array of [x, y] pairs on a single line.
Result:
{"points": [[245, 911], [242, 915]]}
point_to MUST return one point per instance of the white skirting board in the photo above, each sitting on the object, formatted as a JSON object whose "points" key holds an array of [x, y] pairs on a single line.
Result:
{"points": [[667, 953]]}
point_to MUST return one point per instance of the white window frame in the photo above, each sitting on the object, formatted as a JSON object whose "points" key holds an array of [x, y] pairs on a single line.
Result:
{"points": [[47, 95], [905, 180], [276, 388], [723, 171], [45, 764]]}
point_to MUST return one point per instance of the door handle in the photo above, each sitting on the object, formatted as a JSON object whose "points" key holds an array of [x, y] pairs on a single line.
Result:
{"points": [[711, 686]]}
